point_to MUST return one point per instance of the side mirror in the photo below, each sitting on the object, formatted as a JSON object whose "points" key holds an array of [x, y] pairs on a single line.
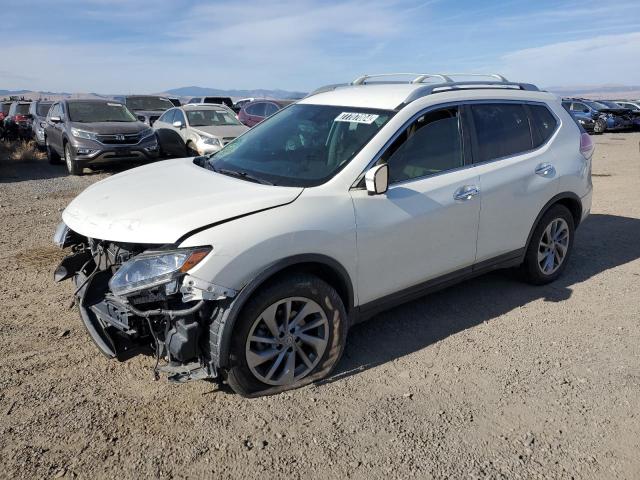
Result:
{"points": [[177, 124], [377, 179], [55, 119]]}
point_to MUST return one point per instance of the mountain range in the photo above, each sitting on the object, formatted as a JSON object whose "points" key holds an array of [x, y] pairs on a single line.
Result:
{"points": [[184, 93]]}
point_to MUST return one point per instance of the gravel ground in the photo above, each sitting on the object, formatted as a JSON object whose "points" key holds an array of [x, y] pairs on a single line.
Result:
{"points": [[488, 379]]}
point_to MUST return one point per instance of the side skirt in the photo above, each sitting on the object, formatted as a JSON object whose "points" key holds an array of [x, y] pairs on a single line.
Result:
{"points": [[368, 310]]}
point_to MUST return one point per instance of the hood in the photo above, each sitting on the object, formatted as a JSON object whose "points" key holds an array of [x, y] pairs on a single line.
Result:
{"points": [[222, 131], [109, 128], [615, 111], [161, 202]]}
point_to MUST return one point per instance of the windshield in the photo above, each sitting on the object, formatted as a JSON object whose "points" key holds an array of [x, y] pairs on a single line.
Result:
{"points": [[148, 103], [42, 109], [22, 108], [92, 112], [210, 118], [302, 145], [5, 108], [596, 105], [609, 104]]}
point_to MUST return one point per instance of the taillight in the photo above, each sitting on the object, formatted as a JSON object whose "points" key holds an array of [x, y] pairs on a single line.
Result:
{"points": [[586, 146]]}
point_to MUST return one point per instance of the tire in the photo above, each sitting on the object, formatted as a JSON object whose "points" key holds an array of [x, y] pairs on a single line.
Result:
{"points": [[550, 246], [313, 352], [72, 164], [52, 155], [600, 126]]}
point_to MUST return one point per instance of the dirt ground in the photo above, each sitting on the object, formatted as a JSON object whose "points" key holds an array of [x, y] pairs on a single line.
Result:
{"points": [[488, 379]]}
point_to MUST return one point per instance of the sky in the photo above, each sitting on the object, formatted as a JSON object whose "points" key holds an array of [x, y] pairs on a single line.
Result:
{"points": [[147, 46]]}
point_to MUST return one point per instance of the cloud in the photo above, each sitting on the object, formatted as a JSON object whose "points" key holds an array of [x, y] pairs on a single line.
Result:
{"points": [[601, 59]]}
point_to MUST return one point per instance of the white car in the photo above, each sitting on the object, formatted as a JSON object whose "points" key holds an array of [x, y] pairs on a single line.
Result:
{"points": [[201, 128], [251, 265]]}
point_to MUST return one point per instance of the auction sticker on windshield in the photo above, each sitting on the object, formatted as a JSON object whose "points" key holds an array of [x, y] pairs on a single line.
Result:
{"points": [[367, 118]]}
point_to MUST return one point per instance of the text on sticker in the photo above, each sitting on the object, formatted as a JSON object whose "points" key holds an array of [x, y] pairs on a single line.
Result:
{"points": [[367, 118]]}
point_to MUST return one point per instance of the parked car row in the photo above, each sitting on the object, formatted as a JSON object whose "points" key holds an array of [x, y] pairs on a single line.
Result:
{"points": [[599, 116]]}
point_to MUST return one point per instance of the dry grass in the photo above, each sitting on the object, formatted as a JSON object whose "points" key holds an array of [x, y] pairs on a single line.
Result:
{"points": [[20, 150]]}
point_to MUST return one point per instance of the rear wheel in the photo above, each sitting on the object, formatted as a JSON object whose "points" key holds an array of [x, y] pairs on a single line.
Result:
{"points": [[52, 155], [72, 163], [550, 246], [289, 334]]}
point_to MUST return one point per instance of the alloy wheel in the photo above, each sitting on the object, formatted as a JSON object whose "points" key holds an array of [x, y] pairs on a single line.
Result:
{"points": [[287, 341], [553, 246]]}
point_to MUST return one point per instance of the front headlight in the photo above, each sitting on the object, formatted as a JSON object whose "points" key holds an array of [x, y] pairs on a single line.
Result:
{"points": [[83, 134], [153, 268], [147, 133], [211, 141]]}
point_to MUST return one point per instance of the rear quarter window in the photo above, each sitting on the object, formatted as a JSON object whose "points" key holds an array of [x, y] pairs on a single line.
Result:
{"points": [[543, 122]]}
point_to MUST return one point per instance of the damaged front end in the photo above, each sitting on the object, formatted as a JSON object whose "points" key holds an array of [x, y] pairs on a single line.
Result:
{"points": [[140, 299]]}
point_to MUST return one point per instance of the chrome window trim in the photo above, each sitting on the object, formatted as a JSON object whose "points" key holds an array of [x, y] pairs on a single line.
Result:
{"points": [[460, 103]]}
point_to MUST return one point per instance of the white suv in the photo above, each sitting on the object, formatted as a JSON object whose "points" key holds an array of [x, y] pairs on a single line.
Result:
{"points": [[251, 264]]}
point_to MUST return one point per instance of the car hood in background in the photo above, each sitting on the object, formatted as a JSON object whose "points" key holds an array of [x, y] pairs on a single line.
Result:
{"points": [[222, 131], [161, 202], [110, 128]]}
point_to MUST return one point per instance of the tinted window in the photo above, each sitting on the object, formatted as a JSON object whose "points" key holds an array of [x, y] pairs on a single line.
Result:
{"points": [[270, 109], [543, 122], [42, 109], [431, 144], [578, 107], [209, 118], [256, 109], [501, 130], [22, 108], [148, 103], [195, 100], [91, 112], [166, 117], [178, 116]]}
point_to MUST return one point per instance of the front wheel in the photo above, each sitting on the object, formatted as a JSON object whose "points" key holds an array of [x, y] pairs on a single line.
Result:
{"points": [[52, 155], [550, 246], [72, 163], [291, 333], [600, 126]]}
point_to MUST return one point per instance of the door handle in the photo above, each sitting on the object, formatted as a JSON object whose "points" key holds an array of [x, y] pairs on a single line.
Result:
{"points": [[545, 170], [466, 192]]}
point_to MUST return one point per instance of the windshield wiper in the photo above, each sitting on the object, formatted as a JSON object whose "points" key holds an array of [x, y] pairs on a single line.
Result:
{"points": [[242, 175]]}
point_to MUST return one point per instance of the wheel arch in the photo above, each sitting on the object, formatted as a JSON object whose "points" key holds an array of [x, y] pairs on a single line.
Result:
{"points": [[326, 268], [567, 199]]}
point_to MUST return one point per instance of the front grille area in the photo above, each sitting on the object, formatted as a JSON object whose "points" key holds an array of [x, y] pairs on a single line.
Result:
{"points": [[119, 139]]}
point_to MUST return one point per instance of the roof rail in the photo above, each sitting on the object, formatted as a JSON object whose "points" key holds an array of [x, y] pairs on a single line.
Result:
{"points": [[446, 83], [444, 87]]}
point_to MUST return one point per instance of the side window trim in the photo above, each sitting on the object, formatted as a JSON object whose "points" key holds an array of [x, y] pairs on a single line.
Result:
{"points": [[524, 103]]}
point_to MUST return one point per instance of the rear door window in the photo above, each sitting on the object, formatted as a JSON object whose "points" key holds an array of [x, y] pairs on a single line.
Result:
{"points": [[501, 130]]}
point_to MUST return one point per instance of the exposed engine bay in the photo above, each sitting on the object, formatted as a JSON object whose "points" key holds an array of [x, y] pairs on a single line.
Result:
{"points": [[139, 299]]}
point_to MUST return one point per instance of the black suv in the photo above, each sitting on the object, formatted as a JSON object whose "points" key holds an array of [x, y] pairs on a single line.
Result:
{"points": [[95, 132], [147, 108]]}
